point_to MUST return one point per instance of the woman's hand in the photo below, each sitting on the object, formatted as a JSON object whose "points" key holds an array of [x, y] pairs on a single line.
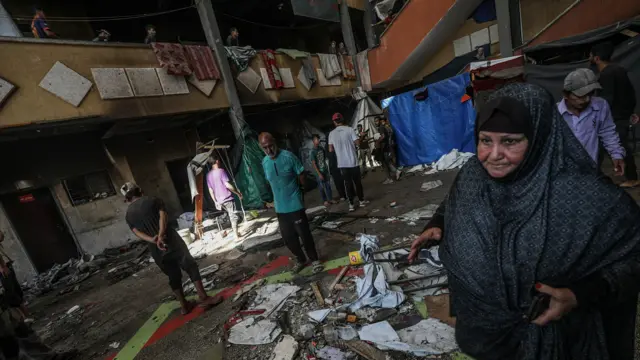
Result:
{"points": [[433, 234], [561, 303]]}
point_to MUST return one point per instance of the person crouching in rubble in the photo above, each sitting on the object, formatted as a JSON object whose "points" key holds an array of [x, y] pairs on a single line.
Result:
{"points": [[148, 219], [541, 249]]}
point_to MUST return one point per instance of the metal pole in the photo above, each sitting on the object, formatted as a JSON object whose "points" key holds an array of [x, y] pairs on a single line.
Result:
{"points": [[212, 32], [504, 28], [368, 24], [347, 35]]}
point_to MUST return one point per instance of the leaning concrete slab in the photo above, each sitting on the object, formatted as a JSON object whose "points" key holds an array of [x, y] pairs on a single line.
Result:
{"points": [[144, 81], [66, 84], [112, 83]]}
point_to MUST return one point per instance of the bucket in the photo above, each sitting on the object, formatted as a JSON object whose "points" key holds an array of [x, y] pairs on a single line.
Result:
{"points": [[185, 234]]}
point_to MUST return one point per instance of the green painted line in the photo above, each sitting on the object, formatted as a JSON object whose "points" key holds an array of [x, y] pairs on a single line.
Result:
{"points": [[136, 343], [421, 306]]}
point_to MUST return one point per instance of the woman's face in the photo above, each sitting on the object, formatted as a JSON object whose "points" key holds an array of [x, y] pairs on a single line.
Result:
{"points": [[501, 153]]}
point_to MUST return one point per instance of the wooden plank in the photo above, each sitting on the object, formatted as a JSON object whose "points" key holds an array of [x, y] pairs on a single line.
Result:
{"points": [[317, 293], [338, 278]]}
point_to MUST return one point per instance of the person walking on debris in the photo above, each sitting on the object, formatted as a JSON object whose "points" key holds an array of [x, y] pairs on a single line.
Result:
{"points": [[285, 174], [343, 140], [222, 190], [542, 251], [383, 144], [619, 92], [589, 117], [364, 153], [319, 162], [13, 295], [148, 219]]}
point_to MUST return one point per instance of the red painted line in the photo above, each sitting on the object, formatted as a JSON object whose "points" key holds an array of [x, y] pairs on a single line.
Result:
{"points": [[177, 322], [359, 271]]}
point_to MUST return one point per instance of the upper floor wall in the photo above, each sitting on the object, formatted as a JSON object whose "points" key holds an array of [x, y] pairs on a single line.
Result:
{"points": [[25, 62], [548, 20]]}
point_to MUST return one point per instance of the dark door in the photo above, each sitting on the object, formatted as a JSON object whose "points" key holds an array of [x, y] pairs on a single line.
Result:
{"points": [[178, 173], [38, 222]]}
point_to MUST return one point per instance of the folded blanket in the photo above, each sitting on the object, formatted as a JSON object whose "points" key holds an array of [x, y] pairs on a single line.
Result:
{"points": [[173, 58]]}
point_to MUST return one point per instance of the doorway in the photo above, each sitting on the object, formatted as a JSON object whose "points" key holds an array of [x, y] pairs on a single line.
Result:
{"points": [[178, 173], [40, 226]]}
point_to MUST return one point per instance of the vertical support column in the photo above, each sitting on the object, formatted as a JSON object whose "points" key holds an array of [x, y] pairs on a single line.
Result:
{"points": [[212, 32], [504, 27], [347, 35], [368, 24]]}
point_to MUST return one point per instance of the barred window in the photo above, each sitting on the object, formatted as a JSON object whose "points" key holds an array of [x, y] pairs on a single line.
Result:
{"points": [[90, 187]]}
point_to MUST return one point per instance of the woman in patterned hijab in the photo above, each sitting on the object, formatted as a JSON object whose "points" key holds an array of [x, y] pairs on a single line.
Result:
{"points": [[542, 250]]}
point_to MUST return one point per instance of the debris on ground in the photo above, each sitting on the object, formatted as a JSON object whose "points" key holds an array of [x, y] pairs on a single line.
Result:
{"points": [[286, 349], [430, 185], [452, 160]]}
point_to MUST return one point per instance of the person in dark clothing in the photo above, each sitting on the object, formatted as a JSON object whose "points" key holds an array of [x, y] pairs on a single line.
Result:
{"points": [[618, 90], [148, 219], [510, 236], [336, 174], [319, 161], [13, 294], [151, 34], [234, 37], [384, 145]]}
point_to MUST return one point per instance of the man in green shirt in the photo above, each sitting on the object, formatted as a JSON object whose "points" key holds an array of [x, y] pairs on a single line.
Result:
{"points": [[285, 174], [319, 161]]}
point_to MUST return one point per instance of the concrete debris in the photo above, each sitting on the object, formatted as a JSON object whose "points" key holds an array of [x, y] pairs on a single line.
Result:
{"points": [[346, 332], [331, 224], [114, 345], [73, 309], [286, 349], [429, 337], [306, 331], [373, 220], [315, 210], [365, 350], [319, 315], [331, 353], [452, 160], [127, 260], [272, 297], [430, 185], [247, 288], [419, 214], [253, 332]]}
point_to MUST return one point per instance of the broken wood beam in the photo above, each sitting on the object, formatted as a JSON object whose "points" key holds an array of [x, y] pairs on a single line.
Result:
{"points": [[338, 278], [317, 293]]}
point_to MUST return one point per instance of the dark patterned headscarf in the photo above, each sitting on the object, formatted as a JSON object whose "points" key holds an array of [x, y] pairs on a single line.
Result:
{"points": [[556, 221]]}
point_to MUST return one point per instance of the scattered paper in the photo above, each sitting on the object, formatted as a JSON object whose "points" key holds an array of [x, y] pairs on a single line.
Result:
{"points": [[319, 315], [331, 224], [374, 220], [114, 345], [331, 353], [346, 332], [73, 309], [272, 297], [428, 337], [423, 213]]}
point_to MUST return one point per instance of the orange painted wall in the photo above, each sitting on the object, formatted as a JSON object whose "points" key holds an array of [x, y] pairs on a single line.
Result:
{"points": [[402, 37], [587, 15]]}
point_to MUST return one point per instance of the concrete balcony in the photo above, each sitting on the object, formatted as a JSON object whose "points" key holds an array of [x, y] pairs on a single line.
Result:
{"points": [[25, 62]]}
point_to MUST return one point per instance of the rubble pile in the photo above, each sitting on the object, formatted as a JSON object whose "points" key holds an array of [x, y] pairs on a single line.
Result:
{"points": [[67, 277], [361, 313]]}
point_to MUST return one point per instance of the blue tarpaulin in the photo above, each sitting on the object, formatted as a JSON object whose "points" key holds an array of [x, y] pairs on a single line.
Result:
{"points": [[426, 130]]}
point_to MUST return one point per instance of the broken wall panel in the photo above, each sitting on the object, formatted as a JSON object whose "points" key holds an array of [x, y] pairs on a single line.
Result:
{"points": [[6, 89], [172, 84], [205, 86]]}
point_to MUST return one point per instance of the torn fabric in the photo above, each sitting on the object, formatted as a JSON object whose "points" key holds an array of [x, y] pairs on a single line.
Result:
{"points": [[240, 57], [362, 62], [173, 58], [202, 62], [330, 65], [273, 79]]}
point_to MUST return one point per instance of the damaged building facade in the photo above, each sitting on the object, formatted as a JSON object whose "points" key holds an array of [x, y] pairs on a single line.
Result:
{"points": [[80, 118]]}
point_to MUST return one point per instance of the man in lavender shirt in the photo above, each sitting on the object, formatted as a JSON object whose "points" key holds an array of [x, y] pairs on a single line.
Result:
{"points": [[222, 190], [589, 117]]}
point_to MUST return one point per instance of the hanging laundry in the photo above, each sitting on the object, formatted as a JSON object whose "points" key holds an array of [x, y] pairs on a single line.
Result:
{"points": [[330, 65], [202, 62], [240, 56], [348, 69], [273, 79], [173, 58], [309, 70]]}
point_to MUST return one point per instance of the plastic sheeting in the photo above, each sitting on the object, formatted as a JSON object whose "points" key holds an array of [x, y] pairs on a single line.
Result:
{"points": [[426, 130], [250, 176]]}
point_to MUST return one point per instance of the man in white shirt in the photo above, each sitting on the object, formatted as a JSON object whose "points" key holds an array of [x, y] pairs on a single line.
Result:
{"points": [[344, 141]]}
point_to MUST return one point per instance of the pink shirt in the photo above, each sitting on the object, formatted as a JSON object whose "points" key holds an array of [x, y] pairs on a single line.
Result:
{"points": [[216, 180]]}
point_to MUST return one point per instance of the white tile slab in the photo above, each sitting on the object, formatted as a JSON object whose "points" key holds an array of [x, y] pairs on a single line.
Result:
{"points": [[66, 84], [265, 79], [144, 81], [112, 83], [287, 78], [462, 46], [205, 86], [6, 89], [250, 79], [172, 84]]}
